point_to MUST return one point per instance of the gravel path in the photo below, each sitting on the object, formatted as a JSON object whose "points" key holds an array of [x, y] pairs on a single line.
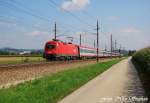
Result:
{"points": [[119, 84]]}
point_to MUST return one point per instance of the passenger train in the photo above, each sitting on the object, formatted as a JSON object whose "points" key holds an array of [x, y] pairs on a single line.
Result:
{"points": [[60, 50]]}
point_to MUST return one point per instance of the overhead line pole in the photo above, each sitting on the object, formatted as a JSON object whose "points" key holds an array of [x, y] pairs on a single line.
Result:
{"points": [[97, 42], [111, 44], [94, 43], [80, 39], [105, 47], [115, 46], [55, 31]]}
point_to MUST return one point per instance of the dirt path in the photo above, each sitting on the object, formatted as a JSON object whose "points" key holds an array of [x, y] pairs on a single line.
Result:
{"points": [[119, 84]]}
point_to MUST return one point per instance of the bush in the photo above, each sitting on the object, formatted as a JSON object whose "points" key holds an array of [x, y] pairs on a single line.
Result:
{"points": [[142, 58]]}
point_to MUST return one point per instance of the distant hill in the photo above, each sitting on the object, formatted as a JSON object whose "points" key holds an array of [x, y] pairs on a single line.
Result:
{"points": [[13, 51]]}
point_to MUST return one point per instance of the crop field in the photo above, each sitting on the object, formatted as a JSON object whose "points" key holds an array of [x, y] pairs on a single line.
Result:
{"points": [[17, 60]]}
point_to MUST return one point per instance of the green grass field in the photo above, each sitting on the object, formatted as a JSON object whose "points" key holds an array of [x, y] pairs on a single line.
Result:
{"points": [[51, 89], [18, 60]]}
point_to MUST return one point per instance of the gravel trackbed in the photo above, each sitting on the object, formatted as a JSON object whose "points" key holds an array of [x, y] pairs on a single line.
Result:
{"points": [[16, 74]]}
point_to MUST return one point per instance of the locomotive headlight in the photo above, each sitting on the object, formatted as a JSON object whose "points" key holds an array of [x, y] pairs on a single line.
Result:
{"points": [[56, 44]]}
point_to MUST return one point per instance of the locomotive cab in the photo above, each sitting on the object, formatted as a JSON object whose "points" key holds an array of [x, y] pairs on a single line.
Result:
{"points": [[49, 50], [50, 46]]}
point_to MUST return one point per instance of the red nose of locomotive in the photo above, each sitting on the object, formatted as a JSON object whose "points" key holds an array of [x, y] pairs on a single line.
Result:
{"points": [[50, 50]]}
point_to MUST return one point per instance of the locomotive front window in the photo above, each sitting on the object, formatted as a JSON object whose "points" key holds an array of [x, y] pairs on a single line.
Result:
{"points": [[50, 46]]}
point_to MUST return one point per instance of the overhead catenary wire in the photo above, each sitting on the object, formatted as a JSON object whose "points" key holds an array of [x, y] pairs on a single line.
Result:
{"points": [[86, 13], [22, 10], [52, 18], [14, 21], [29, 9], [74, 16]]}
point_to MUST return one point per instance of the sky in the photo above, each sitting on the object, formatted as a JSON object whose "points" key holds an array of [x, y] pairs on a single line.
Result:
{"points": [[29, 24]]}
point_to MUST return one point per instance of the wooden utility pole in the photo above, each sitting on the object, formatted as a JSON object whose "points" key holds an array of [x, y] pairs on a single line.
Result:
{"points": [[55, 31], [97, 41], [80, 40]]}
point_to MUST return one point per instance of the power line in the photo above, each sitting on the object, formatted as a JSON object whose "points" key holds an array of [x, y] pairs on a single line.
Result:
{"points": [[76, 17], [9, 5], [85, 13], [32, 14], [16, 22], [23, 9], [34, 10]]}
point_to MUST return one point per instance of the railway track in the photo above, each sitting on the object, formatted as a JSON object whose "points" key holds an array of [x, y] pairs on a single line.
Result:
{"points": [[18, 73], [9, 66], [15, 74]]}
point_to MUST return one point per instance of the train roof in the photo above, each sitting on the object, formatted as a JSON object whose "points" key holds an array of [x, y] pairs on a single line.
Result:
{"points": [[58, 41], [87, 47], [55, 41]]}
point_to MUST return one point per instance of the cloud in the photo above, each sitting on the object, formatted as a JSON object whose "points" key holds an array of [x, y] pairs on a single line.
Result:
{"points": [[74, 5], [38, 33], [130, 30]]}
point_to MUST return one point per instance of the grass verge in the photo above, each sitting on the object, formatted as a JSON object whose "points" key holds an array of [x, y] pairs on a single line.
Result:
{"points": [[51, 89]]}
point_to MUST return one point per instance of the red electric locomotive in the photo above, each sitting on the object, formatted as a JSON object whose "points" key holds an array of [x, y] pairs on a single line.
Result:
{"points": [[60, 50]]}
